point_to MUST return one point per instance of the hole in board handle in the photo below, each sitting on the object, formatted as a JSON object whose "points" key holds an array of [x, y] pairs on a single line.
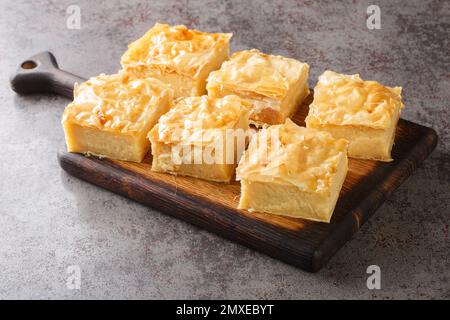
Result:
{"points": [[28, 64]]}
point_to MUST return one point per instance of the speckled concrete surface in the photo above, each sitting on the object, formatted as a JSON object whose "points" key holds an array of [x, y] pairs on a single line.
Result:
{"points": [[50, 220]]}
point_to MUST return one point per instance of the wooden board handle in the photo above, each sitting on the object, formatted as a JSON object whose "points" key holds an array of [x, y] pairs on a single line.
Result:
{"points": [[41, 74]]}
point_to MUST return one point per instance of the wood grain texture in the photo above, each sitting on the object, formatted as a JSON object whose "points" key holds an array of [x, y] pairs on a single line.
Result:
{"points": [[212, 206]]}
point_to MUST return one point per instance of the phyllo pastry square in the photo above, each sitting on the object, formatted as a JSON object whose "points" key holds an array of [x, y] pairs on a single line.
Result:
{"points": [[111, 116], [201, 137], [274, 86], [178, 56], [363, 112], [293, 171]]}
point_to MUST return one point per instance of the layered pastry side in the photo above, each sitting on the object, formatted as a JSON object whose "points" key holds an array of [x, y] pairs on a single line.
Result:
{"points": [[111, 116], [293, 171], [273, 85], [201, 137], [178, 56], [363, 112]]}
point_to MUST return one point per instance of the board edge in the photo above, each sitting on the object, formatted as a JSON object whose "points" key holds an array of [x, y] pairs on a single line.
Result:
{"points": [[353, 221]]}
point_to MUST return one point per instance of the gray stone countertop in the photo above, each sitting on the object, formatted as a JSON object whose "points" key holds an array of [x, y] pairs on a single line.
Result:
{"points": [[50, 220]]}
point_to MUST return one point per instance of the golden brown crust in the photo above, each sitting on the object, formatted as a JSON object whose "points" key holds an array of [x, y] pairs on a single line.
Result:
{"points": [[174, 49], [293, 155], [348, 100], [253, 71], [115, 103], [194, 115]]}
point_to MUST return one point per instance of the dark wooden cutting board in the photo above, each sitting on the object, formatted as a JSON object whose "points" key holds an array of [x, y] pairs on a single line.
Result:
{"points": [[212, 206]]}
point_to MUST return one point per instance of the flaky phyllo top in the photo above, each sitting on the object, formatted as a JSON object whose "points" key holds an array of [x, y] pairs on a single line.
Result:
{"points": [[252, 71], [116, 104], [348, 100], [197, 119], [174, 49], [292, 155]]}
